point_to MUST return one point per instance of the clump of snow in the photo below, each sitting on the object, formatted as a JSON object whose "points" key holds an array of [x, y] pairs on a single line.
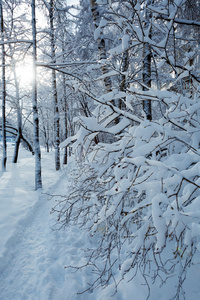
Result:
{"points": [[125, 41]]}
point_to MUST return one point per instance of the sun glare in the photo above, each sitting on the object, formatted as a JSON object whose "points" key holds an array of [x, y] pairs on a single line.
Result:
{"points": [[25, 74]]}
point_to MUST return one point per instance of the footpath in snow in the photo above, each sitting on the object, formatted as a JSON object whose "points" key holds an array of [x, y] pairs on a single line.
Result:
{"points": [[33, 256]]}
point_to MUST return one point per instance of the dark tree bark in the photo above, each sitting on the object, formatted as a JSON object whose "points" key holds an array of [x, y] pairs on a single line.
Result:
{"points": [[65, 117], [147, 65], [123, 84], [101, 45]]}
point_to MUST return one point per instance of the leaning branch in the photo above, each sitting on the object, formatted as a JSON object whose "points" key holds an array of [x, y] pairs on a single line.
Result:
{"points": [[49, 66], [182, 21], [63, 72], [67, 63], [12, 130], [16, 41]]}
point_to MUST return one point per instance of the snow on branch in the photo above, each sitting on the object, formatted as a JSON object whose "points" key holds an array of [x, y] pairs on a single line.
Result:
{"points": [[15, 42], [182, 21], [140, 189]]}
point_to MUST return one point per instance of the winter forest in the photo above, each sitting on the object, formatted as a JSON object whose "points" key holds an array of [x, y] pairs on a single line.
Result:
{"points": [[112, 89]]}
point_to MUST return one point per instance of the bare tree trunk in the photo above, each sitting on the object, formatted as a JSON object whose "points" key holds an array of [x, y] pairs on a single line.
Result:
{"points": [[19, 136], [65, 118], [147, 66], [101, 45], [64, 97], [123, 84], [124, 68], [55, 96], [4, 160], [19, 117], [47, 137], [147, 79], [19, 112], [38, 171], [45, 130]]}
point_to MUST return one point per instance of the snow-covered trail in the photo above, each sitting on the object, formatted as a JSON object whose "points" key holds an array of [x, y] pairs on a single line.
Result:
{"points": [[25, 268], [35, 268], [33, 259]]}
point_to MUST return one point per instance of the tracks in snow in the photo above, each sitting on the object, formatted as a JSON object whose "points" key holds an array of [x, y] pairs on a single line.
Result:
{"points": [[32, 268]]}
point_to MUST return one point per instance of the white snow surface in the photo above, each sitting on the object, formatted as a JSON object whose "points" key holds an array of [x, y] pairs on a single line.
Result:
{"points": [[34, 257]]}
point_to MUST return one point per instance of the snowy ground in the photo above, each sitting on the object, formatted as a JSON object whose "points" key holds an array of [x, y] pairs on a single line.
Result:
{"points": [[33, 256]]}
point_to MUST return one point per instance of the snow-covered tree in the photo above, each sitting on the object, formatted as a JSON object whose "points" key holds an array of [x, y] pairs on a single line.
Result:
{"points": [[137, 193]]}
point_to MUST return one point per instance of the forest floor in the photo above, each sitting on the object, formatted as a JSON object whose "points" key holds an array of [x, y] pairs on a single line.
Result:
{"points": [[34, 256]]}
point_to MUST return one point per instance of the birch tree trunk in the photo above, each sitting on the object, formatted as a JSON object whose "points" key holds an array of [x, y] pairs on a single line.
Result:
{"points": [[101, 45], [38, 171], [55, 96], [123, 84], [4, 160], [147, 64], [124, 68]]}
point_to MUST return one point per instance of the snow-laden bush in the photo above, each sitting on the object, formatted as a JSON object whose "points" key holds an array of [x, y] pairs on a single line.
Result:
{"points": [[139, 195]]}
